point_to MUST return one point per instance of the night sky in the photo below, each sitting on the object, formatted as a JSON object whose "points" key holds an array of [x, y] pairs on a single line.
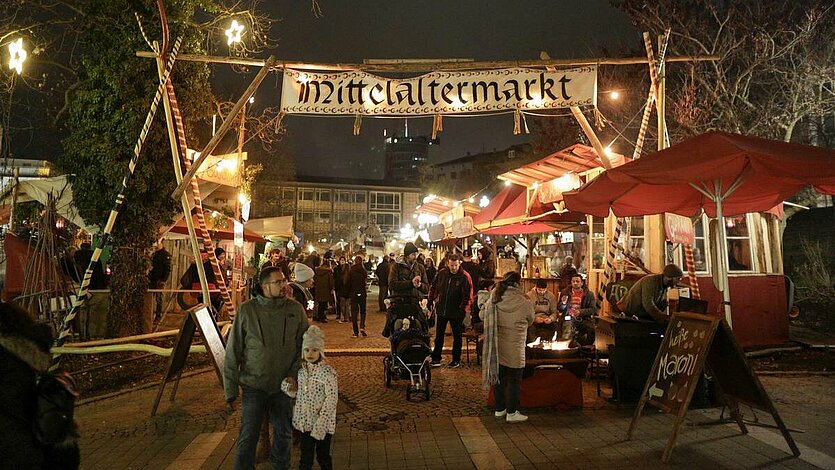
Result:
{"points": [[351, 31]]}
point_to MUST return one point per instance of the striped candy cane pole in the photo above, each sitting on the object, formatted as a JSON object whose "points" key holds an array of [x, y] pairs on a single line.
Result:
{"points": [[198, 203], [84, 290], [639, 144], [691, 271], [653, 76], [609, 268]]}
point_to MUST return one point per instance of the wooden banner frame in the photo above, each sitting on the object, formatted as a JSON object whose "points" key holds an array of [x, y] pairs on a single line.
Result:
{"points": [[708, 343], [200, 318]]}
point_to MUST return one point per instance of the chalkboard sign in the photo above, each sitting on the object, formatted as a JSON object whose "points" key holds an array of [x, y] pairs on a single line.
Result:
{"points": [[692, 343], [678, 365], [197, 317]]}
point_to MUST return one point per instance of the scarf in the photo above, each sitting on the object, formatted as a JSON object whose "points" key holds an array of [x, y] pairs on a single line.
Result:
{"points": [[490, 355]]}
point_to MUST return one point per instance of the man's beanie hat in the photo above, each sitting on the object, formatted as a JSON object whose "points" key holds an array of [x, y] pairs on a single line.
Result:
{"points": [[302, 272], [314, 338], [672, 270], [409, 249]]}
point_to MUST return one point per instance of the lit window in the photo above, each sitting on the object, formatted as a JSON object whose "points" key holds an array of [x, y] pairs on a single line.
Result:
{"points": [[739, 243]]}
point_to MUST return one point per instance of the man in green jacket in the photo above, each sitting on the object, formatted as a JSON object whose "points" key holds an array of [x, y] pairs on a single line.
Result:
{"points": [[647, 299], [263, 351]]}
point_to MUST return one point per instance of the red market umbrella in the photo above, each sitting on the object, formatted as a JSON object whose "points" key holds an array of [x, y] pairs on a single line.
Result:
{"points": [[714, 171], [500, 202], [521, 228], [510, 209], [723, 174]]}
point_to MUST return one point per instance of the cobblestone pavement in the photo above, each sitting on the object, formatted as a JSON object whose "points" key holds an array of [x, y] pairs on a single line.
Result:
{"points": [[378, 428]]}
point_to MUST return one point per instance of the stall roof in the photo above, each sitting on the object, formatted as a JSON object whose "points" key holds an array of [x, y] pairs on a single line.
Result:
{"points": [[439, 204], [576, 159]]}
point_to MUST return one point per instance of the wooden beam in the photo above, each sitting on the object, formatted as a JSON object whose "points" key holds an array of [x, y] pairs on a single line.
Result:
{"points": [[227, 123], [595, 142], [427, 65]]}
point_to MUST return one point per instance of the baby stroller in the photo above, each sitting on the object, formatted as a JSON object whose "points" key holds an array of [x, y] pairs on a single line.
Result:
{"points": [[410, 357]]}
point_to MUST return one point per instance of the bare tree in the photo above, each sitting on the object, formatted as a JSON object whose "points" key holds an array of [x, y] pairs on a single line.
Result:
{"points": [[774, 76], [775, 68]]}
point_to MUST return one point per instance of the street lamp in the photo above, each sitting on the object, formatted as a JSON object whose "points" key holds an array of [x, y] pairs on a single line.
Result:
{"points": [[233, 34], [17, 55]]}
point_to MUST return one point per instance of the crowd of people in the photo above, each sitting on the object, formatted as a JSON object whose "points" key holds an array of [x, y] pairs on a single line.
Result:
{"points": [[275, 359]]}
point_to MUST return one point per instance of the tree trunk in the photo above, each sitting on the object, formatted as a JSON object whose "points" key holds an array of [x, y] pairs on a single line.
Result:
{"points": [[128, 287]]}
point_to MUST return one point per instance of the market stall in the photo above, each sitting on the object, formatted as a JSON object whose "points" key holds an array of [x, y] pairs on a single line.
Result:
{"points": [[727, 177]]}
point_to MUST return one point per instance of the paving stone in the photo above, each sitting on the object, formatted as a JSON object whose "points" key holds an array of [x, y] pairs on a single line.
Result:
{"points": [[378, 428]]}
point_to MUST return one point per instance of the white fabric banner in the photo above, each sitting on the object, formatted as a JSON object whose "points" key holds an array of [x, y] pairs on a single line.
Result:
{"points": [[354, 92]]}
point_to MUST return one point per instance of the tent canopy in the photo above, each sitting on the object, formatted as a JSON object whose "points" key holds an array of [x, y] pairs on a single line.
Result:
{"points": [[272, 226], [40, 189]]}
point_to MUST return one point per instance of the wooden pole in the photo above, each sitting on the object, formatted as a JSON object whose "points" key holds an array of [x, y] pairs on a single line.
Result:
{"points": [[427, 65], [15, 191], [178, 172], [224, 127], [660, 102], [595, 142]]}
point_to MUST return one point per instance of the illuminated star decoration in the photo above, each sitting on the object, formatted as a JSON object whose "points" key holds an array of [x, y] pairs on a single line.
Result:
{"points": [[233, 34], [17, 55]]}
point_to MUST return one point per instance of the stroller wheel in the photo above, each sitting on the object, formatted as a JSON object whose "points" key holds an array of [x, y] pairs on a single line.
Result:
{"points": [[427, 378], [408, 393]]}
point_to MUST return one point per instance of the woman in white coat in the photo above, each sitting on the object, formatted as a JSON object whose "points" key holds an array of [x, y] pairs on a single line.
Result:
{"points": [[507, 315]]}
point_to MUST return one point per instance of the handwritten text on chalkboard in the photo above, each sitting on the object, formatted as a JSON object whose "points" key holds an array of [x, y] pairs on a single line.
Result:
{"points": [[677, 363]]}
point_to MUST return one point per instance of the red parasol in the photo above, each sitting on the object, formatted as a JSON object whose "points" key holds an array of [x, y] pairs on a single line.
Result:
{"points": [[724, 174], [714, 171]]}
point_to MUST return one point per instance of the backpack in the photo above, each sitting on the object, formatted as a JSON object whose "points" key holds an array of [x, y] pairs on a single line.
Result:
{"points": [[55, 404]]}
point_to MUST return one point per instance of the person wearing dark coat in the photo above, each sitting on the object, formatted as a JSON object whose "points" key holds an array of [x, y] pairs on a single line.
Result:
{"points": [[24, 354], [82, 258], [357, 290], [340, 277], [407, 286], [158, 275], [278, 260], [323, 289], [451, 296], [474, 270], [431, 270], [382, 274]]}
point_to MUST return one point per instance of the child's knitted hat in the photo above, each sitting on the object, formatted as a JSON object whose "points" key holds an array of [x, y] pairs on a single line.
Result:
{"points": [[314, 338]]}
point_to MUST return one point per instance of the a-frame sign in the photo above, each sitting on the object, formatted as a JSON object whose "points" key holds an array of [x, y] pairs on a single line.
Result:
{"points": [[197, 317], [692, 343]]}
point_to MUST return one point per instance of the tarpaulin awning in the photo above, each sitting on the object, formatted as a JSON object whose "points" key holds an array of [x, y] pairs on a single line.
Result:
{"points": [[40, 189], [272, 226]]}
